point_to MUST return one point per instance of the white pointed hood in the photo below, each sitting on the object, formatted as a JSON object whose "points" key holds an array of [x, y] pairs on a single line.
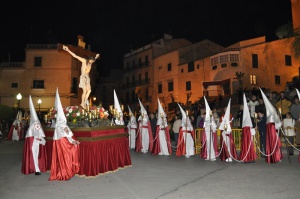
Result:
{"points": [[298, 94], [117, 104], [183, 113], [185, 121], [130, 112], [208, 120], [143, 110], [226, 119], [119, 110], [35, 127], [246, 114], [272, 115], [161, 115], [61, 121], [207, 110]]}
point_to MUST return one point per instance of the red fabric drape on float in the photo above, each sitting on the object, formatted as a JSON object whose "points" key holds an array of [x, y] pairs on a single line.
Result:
{"points": [[245, 141], [181, 150], [102, 156], [203, 153], [156, 146], [224, 152], [138, 143], [65, 160], [27, 160], [272, 140]]}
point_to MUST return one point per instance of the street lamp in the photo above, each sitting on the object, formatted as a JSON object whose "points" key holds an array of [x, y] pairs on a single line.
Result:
{"points": [[39, 103], [19, 97]]}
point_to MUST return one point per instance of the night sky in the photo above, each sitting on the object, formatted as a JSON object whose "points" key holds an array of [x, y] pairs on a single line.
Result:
{"points": [[113, 27]]}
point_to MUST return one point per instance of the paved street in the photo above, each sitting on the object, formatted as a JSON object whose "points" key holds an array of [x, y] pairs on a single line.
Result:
{"points": [[155, 177]]}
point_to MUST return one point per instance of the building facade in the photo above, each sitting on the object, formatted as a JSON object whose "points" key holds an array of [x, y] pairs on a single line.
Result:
{"points": [[46, 67]]}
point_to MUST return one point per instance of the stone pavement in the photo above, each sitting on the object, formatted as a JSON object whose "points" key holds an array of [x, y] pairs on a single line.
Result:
{"points": [[164, 177]]}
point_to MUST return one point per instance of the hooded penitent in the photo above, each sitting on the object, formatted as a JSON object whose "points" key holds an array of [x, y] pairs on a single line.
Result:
{"points": [[119, 120], [35, 128], [271, 112], [61, 121], [161, 115], [226, 119]]}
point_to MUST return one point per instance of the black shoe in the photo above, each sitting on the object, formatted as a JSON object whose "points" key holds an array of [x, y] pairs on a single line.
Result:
{"points": [[37, 173]]}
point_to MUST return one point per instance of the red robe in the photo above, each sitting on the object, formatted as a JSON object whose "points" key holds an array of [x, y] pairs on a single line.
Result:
{"points": [[224, 153], [10, 133], [246, 140], [156, 147], [272, 143], [27, 160], [65, 159], [138, 143], [203, 153], [181, 147]]}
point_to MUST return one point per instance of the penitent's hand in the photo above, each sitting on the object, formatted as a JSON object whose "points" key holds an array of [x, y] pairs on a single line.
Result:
{"points": [[65, 48]]}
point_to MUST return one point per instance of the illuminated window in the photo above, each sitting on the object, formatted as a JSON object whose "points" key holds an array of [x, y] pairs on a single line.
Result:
{"points": [[214, 61], [223, 58], [252, 79], [234, 57]]}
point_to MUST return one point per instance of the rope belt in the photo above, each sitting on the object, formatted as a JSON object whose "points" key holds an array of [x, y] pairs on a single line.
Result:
{"points": [[144, 126]]}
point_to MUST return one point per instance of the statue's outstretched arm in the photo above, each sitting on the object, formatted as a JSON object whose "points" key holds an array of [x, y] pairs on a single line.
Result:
{"points": [[73, 54]]}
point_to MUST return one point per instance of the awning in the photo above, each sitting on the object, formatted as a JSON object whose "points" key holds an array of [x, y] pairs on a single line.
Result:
{"points": [[212, 83]]}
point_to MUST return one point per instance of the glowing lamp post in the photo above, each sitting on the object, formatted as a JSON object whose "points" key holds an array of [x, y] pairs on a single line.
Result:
{"points": [[19, 97], [39, 103]]}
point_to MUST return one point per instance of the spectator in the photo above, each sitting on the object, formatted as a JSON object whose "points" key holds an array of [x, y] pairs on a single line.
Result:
{"points": [[295, 108], [288, 126], [283, 104]]}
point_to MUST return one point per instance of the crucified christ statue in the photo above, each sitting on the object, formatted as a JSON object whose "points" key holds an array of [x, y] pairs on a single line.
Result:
{"points": [[84, 81]]}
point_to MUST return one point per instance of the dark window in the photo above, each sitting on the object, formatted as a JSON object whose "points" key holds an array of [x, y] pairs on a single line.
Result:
{"points": [[146, 77], [147, 94], [169, 66], [159, 88], [277, 79], [133, 64], [191, 66], [14, 85], [234, 64], [170, 86], [223, 65], [74, 85], [182, 70], [214, 67], [37, 61], [146, 61], [254, 60], [104, 88], [288, 60], [198, 66], [38, 84], [188, 86]]}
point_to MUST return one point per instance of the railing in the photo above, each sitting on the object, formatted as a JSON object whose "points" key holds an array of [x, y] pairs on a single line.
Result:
{"points": [[237, 135]]}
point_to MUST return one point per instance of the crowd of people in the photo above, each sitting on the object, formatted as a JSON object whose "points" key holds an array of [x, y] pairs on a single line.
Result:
{"points": [[274, 116]]}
